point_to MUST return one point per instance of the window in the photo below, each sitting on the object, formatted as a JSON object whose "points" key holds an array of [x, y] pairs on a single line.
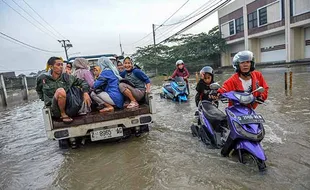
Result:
{"points": [[252, 20], [262, 16], [239, 24], [231, 28]]}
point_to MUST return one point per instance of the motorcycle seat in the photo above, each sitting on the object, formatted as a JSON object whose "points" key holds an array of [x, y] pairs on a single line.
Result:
{"points": [[213, 114]]}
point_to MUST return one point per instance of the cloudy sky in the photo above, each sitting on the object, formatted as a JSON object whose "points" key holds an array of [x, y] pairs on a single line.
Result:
{"points": [[93, 27]]}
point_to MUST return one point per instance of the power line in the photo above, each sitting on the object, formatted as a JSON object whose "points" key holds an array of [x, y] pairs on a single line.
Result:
{"points": [[172, 15], [44, 20], [40, 49], [205, 7], [171, 27], [27, 19], [187, 19], [162, 23], [198, 20], [33, 18]]}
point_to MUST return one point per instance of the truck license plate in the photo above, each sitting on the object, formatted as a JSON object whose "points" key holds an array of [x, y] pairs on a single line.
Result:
{"points": [[102, 134]]}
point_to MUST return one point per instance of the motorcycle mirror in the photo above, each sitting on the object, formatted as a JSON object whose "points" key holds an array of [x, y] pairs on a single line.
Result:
{"points": [[215, 86], [259, 89]]}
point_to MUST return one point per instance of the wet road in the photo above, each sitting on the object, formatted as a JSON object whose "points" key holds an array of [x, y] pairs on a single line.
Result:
{"points": [[168, 157]]}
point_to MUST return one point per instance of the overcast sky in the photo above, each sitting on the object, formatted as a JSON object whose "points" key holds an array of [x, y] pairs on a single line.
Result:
{"points": [[93, 27]]}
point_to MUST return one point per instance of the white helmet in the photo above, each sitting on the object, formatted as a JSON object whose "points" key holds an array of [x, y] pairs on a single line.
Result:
{"points": [[179, 62]]}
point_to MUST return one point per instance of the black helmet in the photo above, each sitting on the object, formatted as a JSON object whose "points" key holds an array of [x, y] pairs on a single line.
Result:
{"points": [[243, 56]]}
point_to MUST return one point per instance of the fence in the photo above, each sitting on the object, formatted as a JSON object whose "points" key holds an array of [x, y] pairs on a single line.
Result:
{"points": [[16, 89]]}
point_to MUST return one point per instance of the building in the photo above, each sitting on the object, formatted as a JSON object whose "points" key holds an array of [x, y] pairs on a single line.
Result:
{"points": [[10, 74], [274, 30]]}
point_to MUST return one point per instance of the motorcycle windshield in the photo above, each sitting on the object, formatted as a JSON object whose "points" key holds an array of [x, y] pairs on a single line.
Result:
{"points": [[180, 81]]}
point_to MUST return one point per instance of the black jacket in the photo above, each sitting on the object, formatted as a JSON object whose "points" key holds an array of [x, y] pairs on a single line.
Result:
{"points": [[203, 91]]}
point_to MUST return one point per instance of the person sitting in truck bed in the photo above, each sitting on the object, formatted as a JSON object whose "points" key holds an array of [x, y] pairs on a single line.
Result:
{"points": [[82, 71], [53, 88], [135, 85], [106, 91]]}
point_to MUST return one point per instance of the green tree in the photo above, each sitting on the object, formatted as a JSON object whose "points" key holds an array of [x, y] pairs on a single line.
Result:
{"points": [[195, 50]]}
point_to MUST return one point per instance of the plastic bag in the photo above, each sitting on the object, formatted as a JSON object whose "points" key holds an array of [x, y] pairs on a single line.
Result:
{"points": [[85, 109], [74, 101]]}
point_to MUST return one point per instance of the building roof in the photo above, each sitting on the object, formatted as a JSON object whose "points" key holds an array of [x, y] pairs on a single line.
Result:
{"points": [[92, 56]]}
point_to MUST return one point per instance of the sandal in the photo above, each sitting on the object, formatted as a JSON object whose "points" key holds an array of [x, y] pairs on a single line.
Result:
{"points": [[133, 104], [106, 109], [66, 119]]}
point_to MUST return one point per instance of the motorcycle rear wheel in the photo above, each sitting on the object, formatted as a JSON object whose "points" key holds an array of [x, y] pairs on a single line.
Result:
{"points": [[204, 137]]}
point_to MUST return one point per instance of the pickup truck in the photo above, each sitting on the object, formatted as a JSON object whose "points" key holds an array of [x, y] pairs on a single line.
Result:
{"points": [[101, 126]]}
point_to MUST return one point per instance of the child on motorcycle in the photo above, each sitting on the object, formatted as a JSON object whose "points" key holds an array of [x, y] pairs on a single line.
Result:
{"points": [[181, 71], [203, 86]]}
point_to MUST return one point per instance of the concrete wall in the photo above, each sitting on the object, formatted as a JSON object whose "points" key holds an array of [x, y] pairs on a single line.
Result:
{"points": [[269, 42], [307, 37], [254, 46], [301, 6], [17, 90], [274, 12], [272, 40], [297, 43], [231, 7]]}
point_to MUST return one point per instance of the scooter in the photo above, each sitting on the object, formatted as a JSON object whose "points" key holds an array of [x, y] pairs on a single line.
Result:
{"points": [[175, 89], [246, 127], [210, 124]]}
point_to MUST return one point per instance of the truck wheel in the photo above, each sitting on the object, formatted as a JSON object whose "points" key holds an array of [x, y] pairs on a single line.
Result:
{"points": [[63, 144]]}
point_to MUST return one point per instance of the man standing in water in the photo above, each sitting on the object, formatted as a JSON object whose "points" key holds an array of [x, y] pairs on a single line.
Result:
{"points": [[52, 88]]}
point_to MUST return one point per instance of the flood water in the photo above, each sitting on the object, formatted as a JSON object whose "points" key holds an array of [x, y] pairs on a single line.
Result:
{"points": [[166, 158]]}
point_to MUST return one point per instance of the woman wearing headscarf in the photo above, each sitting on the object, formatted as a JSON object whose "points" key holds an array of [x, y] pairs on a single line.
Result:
{"points": [[107, 83], [82, 71], [96, 71], [139, 83]]}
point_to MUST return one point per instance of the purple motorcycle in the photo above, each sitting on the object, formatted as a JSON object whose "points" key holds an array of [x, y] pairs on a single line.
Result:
{"points": [[246, 128], [210, 124]]}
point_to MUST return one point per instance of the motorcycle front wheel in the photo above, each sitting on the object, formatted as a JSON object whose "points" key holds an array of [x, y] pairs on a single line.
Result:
{"points": [[247, 158]]}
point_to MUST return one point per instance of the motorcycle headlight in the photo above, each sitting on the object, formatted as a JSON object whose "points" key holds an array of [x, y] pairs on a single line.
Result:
{"points": [[250, 136], [244, 98]]}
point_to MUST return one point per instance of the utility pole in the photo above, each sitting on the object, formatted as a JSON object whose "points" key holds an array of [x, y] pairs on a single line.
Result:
{"points": [[66, 46], [120, 45], [155, 55]]}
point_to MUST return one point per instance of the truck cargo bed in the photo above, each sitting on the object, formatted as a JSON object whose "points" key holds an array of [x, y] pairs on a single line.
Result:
{"points": [[94, 117]]}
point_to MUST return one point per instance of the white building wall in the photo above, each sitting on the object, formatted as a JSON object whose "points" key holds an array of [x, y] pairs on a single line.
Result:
{"points": [[270, 41], [301, 6], [307, 37], [274, 12], [235, 48]]}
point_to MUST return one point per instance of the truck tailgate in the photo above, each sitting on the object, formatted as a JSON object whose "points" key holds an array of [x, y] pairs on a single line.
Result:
{"points": [[99, 117]]}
